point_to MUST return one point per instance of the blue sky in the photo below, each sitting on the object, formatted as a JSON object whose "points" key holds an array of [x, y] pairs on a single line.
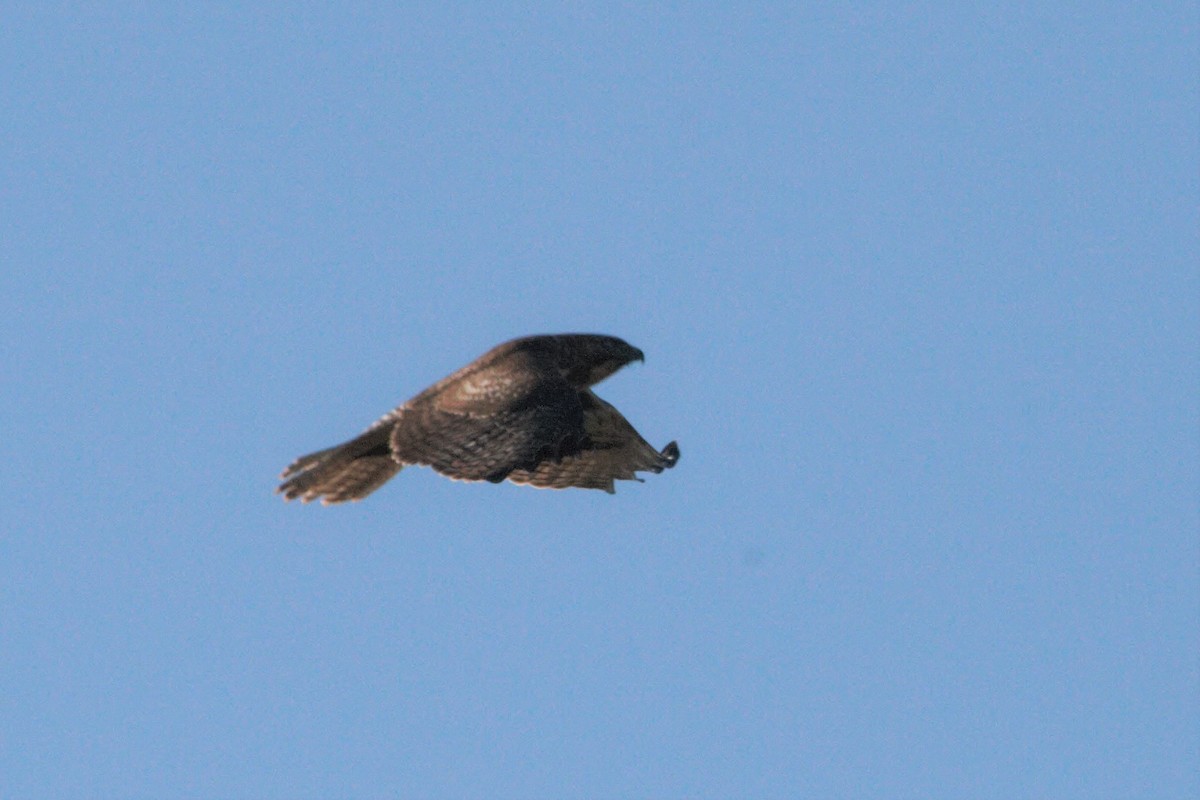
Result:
{"points": [[918, 290]]}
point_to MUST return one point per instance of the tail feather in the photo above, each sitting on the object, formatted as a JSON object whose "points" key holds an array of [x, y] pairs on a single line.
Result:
{"points": [[349, 471]]}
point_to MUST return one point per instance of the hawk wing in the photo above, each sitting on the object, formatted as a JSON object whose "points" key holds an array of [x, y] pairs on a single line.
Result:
{"points": [[482, 425], [613, 450]]}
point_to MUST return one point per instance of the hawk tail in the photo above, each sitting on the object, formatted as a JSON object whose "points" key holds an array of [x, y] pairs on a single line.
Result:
{"points": [[348, 471]]}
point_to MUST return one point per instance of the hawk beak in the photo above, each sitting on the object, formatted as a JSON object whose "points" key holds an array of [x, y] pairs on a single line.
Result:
{"points": [[640, 356]]}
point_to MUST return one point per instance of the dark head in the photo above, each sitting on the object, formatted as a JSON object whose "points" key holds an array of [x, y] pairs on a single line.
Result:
{"points": [[585, 359]]}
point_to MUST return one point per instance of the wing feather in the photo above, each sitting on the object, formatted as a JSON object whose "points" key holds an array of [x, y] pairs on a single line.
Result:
{"points": [[613, 450], [489, 439]]}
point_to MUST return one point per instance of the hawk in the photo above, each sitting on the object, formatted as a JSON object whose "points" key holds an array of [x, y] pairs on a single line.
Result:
{"points": [[523, 411]]}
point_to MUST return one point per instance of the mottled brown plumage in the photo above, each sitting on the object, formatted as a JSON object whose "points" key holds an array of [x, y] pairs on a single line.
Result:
{"points": [[523, 411]]}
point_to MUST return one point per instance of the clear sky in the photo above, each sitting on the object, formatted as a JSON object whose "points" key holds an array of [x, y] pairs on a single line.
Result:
{"points": [[919, 293]]}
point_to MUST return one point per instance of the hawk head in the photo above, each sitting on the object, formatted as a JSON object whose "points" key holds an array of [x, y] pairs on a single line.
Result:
{"points": [[585, 359]]}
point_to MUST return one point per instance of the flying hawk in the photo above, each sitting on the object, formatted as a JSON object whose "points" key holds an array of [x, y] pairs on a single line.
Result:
{"points": [[523, 411]]}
